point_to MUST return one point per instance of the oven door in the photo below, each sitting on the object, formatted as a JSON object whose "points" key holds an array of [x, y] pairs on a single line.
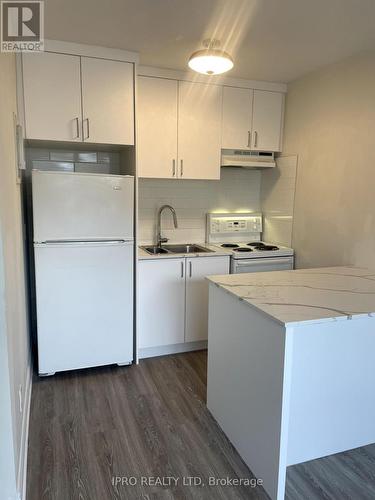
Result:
{"points": [[260, 265]]}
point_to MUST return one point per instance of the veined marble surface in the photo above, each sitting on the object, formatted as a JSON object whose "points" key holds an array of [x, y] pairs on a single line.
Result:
{"points": [[306, 295]]}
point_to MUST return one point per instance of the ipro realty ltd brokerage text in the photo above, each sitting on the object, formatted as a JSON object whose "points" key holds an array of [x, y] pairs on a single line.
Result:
{"points": [[192, 481]]}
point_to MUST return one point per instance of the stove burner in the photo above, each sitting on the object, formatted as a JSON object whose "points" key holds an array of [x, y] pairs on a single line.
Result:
{"points": [[229, 245], [264, 248], [243, 249], [255, 244]]}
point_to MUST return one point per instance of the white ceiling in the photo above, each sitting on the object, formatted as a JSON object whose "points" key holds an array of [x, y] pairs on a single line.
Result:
{"points": [[274, 40]]}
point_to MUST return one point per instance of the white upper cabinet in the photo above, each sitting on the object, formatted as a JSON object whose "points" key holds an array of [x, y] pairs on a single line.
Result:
{"points": [[237, 118], [267, 120], [179, 129], [199, 130], [107, 101], [52, 96], [74, 98], [252, 119], [157, 127]]}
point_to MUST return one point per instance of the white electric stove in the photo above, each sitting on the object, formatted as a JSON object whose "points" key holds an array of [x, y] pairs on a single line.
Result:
{"points": [[241, 234]]}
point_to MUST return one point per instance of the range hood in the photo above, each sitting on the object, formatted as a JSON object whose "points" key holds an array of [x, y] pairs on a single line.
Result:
{"points": [[247, 159]]}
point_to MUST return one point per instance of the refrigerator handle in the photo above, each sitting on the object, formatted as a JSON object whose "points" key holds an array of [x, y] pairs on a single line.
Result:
{"points": [[83, 242]]}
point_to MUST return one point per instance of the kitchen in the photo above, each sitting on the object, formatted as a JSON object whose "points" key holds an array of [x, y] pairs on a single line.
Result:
{"points": [[141, 205]]}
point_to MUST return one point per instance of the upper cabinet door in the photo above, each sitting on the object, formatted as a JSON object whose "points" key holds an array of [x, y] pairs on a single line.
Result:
{"points": [[108, 101], [52, 96], [267, 120], [157, 127], [237, 117], [199, 130]]}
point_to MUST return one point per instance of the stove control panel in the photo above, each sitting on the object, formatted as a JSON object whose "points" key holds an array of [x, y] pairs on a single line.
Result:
{"points": [[225, 224]]}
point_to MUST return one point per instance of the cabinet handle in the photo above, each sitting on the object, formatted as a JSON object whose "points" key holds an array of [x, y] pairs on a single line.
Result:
{"points": [[190, 269], [77, 128], [249, 139], [87, 127], [173, 168], [182, 269], [182, 168], [255, 139], [19, 144]]}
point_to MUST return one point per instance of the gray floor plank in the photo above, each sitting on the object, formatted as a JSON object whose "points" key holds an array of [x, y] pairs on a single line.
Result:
{"points": [[151, 420]]}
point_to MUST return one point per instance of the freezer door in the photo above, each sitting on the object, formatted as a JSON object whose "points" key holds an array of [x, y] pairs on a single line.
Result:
{"points": [[73, 206], [84, 295]]}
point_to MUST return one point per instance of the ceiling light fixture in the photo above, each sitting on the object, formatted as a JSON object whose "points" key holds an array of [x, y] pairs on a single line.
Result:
{"points": [[211, 60]]}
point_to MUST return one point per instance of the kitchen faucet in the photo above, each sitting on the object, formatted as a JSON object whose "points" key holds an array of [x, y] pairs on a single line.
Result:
{"points": [[159, 238]]}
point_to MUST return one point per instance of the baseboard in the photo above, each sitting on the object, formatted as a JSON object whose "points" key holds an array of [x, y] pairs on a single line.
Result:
{"points": [[163, 350], [22, 463]]}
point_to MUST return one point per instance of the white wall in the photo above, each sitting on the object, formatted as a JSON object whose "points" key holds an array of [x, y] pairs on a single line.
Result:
{"points": [[330, 124], [8, 482], [238, 190], [14, 313]]}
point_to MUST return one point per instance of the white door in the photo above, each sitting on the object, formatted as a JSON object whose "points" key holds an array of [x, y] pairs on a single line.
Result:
{"points": [[197, 293], [52, 96], [84, 295], [161, 302], [237, 117], [72, 206], [267, 120], [199, 130], [108, 101], [157, 127]]}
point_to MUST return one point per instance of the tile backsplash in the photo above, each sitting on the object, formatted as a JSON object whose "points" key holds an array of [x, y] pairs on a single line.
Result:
{"points": [[269, 191], [101, 162], [277, 200], [238, 190]]}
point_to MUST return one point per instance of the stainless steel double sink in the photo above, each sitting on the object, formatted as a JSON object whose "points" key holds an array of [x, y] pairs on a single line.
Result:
{"points": [[184, 249]]}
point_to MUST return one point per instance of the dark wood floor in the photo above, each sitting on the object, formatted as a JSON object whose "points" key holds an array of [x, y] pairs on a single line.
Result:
{"points": [[89, 427]]}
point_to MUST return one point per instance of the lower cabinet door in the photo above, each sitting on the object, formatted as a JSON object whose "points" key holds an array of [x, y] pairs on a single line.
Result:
{"points": [[161, 302], [196, 322]]}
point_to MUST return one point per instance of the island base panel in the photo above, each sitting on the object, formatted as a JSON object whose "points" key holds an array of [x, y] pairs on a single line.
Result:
{"points": [[245, 383], [332, 398]]}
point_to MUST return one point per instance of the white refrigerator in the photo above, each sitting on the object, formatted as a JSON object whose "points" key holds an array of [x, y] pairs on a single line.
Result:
{"points": [[84, 251]]}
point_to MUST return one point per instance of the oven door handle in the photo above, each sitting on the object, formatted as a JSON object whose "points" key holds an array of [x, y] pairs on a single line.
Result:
{"points": [[260, 260]]}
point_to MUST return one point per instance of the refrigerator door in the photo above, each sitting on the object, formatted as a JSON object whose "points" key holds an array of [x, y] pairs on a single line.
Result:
{"points": [[84, 296], [73, 206]]}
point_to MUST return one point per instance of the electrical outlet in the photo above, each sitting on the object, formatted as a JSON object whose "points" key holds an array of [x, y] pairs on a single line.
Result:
{"points": [[20, 397]]}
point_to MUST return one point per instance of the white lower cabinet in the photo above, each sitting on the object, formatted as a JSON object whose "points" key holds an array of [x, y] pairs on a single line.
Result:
{"points": [[173, 302], [196, 318], [161, 302]]}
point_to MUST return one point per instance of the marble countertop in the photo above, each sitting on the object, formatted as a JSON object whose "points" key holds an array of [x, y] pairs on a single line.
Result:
{"points": [[143, 255], [306, 295]]}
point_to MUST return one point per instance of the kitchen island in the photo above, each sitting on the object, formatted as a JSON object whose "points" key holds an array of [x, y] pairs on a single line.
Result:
{"points": [[291, 371]]}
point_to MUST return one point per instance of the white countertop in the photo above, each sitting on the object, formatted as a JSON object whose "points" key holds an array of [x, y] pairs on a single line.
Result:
{"points": [[306, 295], [143, 255]]}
